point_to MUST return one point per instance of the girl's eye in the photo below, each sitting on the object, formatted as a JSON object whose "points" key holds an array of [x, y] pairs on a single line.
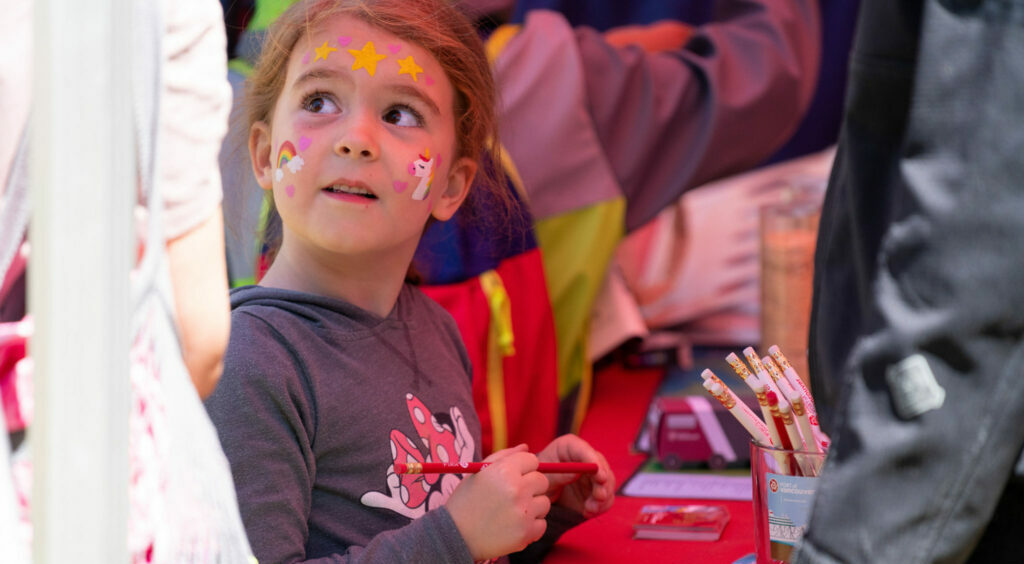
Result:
{"points": [[319, 103], [403, 116]]}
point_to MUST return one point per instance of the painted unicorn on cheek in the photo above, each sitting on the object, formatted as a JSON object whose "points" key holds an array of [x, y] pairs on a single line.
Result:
{"points": [[424, 169]]}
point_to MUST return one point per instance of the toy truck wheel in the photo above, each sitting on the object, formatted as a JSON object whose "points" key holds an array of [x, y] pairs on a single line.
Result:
{"points": [[716, 462], [672, 462]]}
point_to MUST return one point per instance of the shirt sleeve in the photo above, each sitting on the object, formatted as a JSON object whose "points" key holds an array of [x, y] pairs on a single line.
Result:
{"points": [[266, 420], [194, 106], [597, 122]]}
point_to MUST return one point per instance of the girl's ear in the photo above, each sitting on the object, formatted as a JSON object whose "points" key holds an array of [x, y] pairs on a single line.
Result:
{"points": [[259, 154], [460, 178]]}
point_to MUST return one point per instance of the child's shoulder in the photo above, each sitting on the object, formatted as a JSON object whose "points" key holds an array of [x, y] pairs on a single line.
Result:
{"points": [[262, 309], [259, 300], [414, 303]]}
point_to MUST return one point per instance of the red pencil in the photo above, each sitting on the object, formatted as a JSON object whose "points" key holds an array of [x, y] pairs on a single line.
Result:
{"points": [[474, 467]]}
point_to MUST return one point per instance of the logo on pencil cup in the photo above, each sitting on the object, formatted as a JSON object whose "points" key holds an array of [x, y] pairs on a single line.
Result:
{"points": [[773, 485]]}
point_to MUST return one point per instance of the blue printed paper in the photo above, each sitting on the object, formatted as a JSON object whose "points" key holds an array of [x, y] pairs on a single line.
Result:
{"points": [[789, 506]]}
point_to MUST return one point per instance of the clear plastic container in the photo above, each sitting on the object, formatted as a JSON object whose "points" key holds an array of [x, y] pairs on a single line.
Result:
{"points": [[782, 498]]}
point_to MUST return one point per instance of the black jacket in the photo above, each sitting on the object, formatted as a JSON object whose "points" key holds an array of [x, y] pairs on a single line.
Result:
{"points": [[917, 358]]}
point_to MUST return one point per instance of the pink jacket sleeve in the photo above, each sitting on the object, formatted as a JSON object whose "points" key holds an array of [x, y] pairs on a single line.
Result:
{"points": [[585, 122]]}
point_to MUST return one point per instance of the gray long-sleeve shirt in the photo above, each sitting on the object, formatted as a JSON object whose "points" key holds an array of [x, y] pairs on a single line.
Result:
{"points": [[318, 400]]}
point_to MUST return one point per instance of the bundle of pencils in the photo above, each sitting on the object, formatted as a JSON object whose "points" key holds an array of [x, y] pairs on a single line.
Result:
{"points": [[790, 420]]}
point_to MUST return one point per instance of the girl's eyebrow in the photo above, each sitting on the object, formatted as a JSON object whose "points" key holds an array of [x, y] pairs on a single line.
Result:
{"points": [[320, 74], [414, 92]]}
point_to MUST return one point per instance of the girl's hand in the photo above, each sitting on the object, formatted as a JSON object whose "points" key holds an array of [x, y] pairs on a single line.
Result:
{"points": [[502, 508], [589, 494]]}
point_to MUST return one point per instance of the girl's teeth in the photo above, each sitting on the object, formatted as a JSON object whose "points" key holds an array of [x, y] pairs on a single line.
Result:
{"points": [[350, 190]]}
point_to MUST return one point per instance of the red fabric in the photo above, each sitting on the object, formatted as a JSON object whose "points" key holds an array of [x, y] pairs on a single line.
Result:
{"points": [[531, 374], [12, 350], [618, 405]]}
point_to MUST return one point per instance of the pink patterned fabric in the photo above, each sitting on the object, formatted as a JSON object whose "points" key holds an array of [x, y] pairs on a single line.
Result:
{"points": [[15, 389], [148, 448]]}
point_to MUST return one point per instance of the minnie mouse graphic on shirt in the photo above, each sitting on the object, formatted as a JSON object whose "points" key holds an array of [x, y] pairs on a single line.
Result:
{"points": [[443, 437]]}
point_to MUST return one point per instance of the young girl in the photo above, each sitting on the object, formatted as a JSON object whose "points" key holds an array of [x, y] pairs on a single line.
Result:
{"points": [[369, 118]]}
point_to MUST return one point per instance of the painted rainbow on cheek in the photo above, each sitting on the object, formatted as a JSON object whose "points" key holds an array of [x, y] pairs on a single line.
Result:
{"points": [[285, 154]]}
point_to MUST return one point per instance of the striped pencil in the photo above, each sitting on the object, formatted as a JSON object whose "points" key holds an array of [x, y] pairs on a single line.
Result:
{"points": [[746, 417], [797, 382], [797, 403], [786, 416], [762, 373], [739, 404]]}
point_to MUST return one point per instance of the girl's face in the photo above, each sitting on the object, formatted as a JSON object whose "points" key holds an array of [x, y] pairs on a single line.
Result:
{"points": [[361, 148]]}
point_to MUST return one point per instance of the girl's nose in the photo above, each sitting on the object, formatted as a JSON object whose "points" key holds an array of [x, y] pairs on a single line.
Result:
{"points": [[357, 142]]}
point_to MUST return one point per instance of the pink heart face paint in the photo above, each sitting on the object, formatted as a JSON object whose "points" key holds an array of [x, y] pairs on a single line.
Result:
{"points": [[394, 48], [304, 143], [290, 190], [344, 40], [400, 186]]}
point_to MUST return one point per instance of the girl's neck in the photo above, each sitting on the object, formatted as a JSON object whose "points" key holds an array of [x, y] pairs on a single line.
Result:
{"points": [[372, 284]]}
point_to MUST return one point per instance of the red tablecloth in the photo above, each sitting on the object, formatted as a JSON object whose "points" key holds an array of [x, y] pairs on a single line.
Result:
{"points": [[618, 406]]}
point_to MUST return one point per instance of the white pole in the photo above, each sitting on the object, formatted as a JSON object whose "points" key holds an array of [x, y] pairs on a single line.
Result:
{"points": [[83, 190]]}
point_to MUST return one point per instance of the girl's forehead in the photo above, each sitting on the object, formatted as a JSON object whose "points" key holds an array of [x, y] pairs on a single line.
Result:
{"points": [[350, 39]]}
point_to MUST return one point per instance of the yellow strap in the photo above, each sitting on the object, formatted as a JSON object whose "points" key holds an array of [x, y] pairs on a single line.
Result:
{"points": [[513, 174], [500, 343], [499, 39], [501, 311]]}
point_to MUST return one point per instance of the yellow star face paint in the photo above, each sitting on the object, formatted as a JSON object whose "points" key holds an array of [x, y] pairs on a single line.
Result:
{"points": [[408, 66], [366, 58]]}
